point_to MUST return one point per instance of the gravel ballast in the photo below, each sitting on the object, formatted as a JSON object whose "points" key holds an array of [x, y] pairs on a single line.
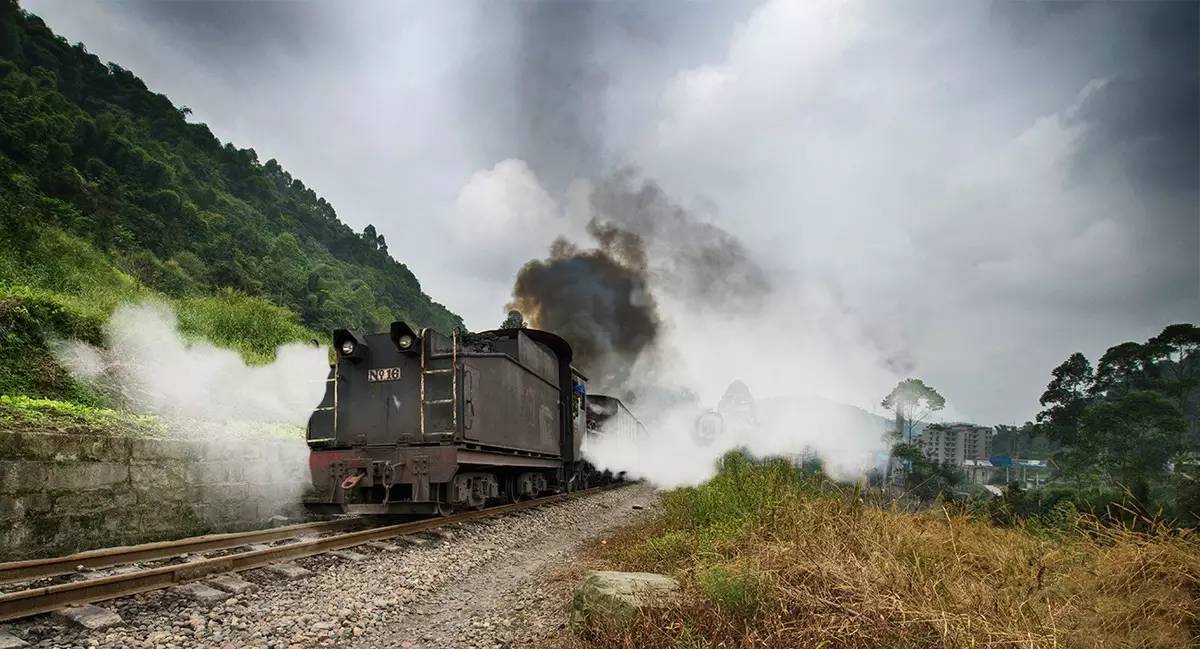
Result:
{"points": [[477, 585]]}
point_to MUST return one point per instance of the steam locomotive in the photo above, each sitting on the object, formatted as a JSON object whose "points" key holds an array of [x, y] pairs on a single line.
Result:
{"points": [[423, 423]]}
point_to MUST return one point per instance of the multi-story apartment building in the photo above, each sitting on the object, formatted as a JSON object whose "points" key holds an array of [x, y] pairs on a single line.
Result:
{"points": [[955, 443]]}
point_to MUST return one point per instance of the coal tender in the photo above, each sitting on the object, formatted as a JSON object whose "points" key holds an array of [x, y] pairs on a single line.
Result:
{"points": [[419, 422]]}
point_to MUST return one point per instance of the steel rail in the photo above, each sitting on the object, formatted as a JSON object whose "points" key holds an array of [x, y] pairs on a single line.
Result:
{"points": [[15, 571], [24, 603]]}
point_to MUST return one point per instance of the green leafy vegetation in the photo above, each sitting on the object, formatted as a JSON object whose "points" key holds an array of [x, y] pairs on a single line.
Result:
{"points": [[25, 413], [109, 195]]}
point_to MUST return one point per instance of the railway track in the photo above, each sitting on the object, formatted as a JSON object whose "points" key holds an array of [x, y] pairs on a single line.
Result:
{"points": [[32, 601]]}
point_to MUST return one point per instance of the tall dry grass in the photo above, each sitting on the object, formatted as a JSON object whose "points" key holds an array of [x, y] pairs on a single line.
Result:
{"points": [[771, 558]]}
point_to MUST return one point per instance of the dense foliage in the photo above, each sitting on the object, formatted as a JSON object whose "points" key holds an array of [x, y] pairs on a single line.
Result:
{"points": [[1132, 423], [92, 159]]}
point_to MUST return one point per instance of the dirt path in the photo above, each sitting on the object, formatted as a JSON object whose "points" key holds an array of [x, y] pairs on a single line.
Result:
{"points": [[506, 601]]}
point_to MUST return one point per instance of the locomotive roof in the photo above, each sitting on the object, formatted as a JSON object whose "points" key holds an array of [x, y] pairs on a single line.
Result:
{"points": [[555, 342]]}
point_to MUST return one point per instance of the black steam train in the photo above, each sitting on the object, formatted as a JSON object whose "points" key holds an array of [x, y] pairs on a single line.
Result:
{"points": [[421, 423]]}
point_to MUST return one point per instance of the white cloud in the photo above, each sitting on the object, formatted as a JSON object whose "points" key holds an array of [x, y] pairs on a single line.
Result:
{"points": [[504, 217]]}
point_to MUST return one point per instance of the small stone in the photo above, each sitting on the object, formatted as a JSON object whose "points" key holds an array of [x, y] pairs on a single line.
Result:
{"points": [[92, 618], [288, 570], [230, 583], [348, 555], [383, 547], [201, 593], [10, 641]]}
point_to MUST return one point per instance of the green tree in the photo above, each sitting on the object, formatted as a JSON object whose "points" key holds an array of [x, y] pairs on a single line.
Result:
{"points": [[1176, 363], [1066, 399], [1122, 368], [912, 401], [1132, 438]]}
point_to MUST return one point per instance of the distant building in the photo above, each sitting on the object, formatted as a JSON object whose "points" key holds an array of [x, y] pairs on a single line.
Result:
{"points": [[956, 443], [979, 471]]}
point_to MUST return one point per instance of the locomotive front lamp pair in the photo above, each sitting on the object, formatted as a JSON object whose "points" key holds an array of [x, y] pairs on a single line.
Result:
{"points": [[353, 346], [403, 342]]}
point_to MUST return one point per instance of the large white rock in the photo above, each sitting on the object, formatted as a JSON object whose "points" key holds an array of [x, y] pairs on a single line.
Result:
{"points": [[610, 597]]}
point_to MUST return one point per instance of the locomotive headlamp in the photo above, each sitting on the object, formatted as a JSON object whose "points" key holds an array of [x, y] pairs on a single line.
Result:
{"points": [[404, 338], [350, 344]]}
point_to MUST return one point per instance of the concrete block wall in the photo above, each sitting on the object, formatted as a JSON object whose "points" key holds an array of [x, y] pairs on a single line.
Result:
{"points": [[63, 492]]}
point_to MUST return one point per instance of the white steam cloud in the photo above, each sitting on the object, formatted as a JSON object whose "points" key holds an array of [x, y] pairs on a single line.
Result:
{"points": [[206, 394], [725, 317]]}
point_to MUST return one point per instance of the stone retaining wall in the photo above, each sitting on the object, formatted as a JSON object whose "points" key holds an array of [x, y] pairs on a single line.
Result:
{"points": [[63, 492]]}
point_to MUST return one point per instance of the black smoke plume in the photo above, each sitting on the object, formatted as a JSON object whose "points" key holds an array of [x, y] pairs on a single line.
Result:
{"points": [[597, 299], [692, 259], [601, 299]]}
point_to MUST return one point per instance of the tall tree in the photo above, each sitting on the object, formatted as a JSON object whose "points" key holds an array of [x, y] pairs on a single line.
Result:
{"points": [[912, 401], [1174, 354], [1066, 399], [1122, 368]]}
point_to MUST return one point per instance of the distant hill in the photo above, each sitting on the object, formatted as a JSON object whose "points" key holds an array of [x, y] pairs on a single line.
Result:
{"points": [[108, 193]]}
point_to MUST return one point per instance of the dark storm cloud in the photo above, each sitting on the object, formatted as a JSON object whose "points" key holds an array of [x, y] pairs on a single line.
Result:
{"points": [[560, 88], [1146, 115], [546, 73], [237, 34]]}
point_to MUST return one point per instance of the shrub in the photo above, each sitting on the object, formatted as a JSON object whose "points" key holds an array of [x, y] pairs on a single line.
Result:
{"points": [[252, 326]]}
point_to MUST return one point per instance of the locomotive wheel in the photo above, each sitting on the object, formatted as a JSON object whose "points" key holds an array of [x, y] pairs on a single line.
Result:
{"points": [[510, 487], [444, 509]]}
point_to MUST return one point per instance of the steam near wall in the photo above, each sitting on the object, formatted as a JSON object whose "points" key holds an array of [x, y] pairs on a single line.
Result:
{"points": [[203, 393]]}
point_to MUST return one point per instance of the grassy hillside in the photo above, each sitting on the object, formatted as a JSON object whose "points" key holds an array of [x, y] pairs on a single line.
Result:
{"points": [[108, 194], [773, 557]]}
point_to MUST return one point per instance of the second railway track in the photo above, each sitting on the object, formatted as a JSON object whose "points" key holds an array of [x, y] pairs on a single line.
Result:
{"points": [[44, 599]]}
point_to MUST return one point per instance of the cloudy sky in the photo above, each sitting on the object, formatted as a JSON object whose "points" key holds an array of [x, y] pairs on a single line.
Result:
{"points": [[974, 189]]}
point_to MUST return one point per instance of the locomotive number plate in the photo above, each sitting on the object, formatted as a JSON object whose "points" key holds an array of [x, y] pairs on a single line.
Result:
{"points": [[383, 374]]}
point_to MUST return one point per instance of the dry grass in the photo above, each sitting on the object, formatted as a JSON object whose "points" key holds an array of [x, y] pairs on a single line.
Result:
{"points": [[809, 565]]}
